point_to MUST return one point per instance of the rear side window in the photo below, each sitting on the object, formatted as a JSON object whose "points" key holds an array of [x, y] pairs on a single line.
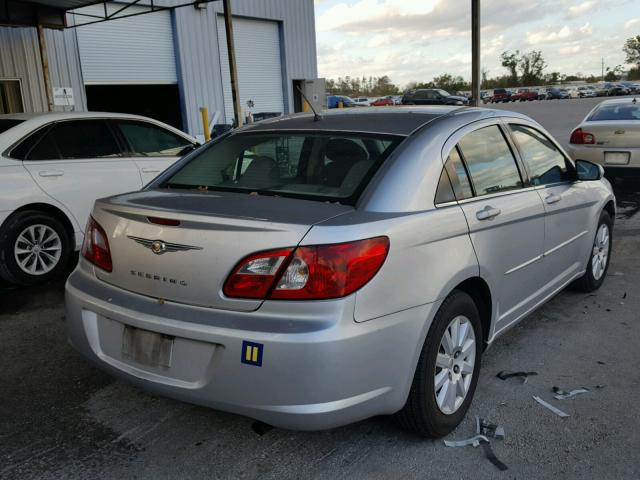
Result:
{"points": [[149, 140], [489, 161], [22, 150], [543, 160], [616, 111], [76, 139], [454, 182], [315, 166]]}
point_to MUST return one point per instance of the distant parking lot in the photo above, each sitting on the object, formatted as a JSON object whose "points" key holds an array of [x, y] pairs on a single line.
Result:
{"points": [[62, 418]]}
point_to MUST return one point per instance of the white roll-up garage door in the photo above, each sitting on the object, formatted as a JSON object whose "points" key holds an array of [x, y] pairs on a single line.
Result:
{"points": [[138, 49], [257, 45]]}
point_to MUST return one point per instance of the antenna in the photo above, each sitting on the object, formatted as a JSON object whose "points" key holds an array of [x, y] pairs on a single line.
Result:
{"points": [[316, 117]]}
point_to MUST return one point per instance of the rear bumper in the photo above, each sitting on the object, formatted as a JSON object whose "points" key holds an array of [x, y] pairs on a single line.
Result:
{"points": [[318, 370], [596, 154]]}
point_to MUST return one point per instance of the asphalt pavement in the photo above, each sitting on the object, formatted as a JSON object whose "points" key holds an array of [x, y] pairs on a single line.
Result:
{"points": [[62, 418]]}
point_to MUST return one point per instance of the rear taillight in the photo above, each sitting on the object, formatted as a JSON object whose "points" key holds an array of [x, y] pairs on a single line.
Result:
{"points": [[308, 273], [95, 246], [580, 137]]}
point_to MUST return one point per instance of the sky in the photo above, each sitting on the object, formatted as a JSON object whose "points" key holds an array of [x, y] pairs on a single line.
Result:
{"points": [[416, 40]]}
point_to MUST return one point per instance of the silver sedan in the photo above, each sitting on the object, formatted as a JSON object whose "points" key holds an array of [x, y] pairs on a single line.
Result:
{"points": [[312, 272], [610, 136]]}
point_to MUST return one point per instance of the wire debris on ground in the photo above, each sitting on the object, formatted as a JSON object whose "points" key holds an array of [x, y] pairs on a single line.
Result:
{"points": [[484, 431], [564, 394], [550, 407], [505, 374]]}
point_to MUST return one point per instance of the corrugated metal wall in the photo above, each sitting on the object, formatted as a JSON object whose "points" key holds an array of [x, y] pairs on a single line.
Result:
{"points": [[197, 52], [199, 62], [20, 58], [64, 64]]}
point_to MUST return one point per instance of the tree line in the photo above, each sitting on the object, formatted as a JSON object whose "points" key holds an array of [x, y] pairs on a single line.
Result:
{"points": [[523, 69]]}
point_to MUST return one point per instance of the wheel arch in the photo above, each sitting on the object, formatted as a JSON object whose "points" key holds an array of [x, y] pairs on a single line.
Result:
{"points": [[49, 210], [478, 289]]}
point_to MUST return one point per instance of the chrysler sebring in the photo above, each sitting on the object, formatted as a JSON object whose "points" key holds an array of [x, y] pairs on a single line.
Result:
{"points": [[312, 272]]}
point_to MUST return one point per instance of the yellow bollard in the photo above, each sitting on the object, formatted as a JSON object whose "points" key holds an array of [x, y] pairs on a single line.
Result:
{"points": [[340, 105], [205, 123], [305, 106]]}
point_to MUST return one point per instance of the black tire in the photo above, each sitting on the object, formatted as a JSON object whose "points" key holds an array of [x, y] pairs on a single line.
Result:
{"points": [[421, 413], [588, 282], [14, 225]]}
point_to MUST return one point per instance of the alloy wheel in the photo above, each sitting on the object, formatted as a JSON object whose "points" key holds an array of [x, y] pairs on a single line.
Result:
{"points": [[600, 255], [38, 249], [455, 365]]}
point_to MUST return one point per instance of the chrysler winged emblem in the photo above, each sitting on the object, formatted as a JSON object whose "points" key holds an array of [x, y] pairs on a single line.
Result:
{"points": [[159, 247]]}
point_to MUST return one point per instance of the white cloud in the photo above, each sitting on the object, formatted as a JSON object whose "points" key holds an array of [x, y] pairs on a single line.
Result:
{"points": [[581, 8], [565, 34], [631, 23]]}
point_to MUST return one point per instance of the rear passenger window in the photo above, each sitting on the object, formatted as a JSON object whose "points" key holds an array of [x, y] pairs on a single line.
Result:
{"points": [[76, 139], [454, 183], [544, 161], [489, 161]]}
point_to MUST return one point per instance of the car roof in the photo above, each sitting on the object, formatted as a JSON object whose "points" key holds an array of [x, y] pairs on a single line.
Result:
{"points": [[620, 100], [53, 116], [390, 121], [400, 121]]}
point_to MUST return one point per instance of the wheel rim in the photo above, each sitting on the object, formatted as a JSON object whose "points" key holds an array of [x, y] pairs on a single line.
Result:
{"points": [[600, 255], [455, 365], [38, 249]]}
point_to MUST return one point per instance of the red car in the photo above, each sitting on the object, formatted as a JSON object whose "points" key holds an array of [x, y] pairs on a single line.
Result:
{"points": [[381, 102], [525, 95]]}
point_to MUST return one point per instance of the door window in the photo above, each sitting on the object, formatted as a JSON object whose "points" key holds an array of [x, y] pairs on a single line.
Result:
{"points": [[76, 139], [148, 140], [453, 180], [489, 161], [543, 160]]}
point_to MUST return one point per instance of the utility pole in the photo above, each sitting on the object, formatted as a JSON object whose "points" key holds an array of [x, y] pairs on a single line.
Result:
{"points": [[602, 77], [475, 52], [44, 60], [233, 69]]}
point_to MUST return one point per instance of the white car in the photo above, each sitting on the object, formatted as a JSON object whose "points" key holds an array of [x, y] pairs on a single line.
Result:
{"points": [[362, 101], [54, 166], [586, 92]]}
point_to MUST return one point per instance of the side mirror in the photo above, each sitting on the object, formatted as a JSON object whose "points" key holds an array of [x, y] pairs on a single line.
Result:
{"points": [[589, 171]]}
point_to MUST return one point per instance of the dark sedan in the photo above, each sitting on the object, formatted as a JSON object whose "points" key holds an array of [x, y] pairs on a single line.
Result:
{"points": [[433, 96]]}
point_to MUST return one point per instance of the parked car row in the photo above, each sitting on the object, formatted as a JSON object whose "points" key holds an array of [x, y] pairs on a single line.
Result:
{"points": [[504, 95], [343, 101]]}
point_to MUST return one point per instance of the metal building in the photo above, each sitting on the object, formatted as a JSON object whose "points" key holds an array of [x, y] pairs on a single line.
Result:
{"points": [[166, 64]]}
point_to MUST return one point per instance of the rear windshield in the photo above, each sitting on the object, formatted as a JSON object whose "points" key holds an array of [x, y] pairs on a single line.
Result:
{"points": [[616, 111], [314, 166], [7, 124]]}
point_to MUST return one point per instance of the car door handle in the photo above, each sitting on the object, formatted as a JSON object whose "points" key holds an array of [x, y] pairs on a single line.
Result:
{"points": [[150, 170], [552, 198], [488, 213], [51, 173]]}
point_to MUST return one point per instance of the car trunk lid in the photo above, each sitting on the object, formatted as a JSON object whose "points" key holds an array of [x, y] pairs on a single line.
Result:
{"points": [[216, 230], [615, 133]]}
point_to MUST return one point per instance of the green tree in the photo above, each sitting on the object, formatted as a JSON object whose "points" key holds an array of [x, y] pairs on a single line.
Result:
{"points": [[510, 61], [531, 65], [632, 50]]}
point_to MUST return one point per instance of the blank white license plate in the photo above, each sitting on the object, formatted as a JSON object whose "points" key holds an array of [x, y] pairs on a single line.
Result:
{"points": [[147, 348], [616, 158]]}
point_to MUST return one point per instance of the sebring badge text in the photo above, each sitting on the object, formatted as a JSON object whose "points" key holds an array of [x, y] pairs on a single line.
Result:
{"points": [[158, 278]]}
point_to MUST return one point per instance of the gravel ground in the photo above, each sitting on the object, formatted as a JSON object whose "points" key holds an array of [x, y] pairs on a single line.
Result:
{"points": [[62, 418]]}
